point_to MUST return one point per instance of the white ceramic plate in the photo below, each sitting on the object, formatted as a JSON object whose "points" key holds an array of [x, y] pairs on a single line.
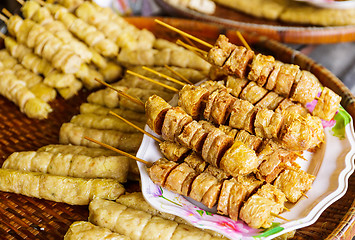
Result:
{"points": [[332, 165], [330, 3]]}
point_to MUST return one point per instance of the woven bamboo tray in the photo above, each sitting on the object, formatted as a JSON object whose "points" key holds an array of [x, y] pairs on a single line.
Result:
{"points": [[280, 31], [23, 217]]}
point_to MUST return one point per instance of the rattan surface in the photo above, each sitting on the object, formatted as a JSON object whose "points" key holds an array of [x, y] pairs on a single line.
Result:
{"points": [[23, 217]]}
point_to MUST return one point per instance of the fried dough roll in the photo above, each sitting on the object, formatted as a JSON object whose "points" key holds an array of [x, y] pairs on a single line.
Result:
{"points": [[111, 99], [46, 45], [82, 230], [172, 57], [16, 91], [108, 70], [73, 134], [92, 152], [136, 200], [77, 150], [284, 79], [41, 66], [70, 165], [33, 81], [71, 5], [118, 30], [122, 219], [85, 32], [74, 191], [258, 210], [87, 108], [104, 122], [125, 35]]}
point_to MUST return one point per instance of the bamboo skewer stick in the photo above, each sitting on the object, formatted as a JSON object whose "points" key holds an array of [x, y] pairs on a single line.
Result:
{"points": [[242, 39], [136, 127], [300, 156], [163, 75], [152, 80], [278, 216], [6, 12], [117, 150], [183, 33], [136, 100], [4, 18], [195, 49], [21, 2], [178, 74], [303, 194]]}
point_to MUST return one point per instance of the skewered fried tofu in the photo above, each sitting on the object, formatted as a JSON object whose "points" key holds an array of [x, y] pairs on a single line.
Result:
{"points": [[301, 133], [196, 162], [74, 191], [73, 134], [327, 104], [174, 121], [260, 68], [192, 136], [217, 55], [173, 151], [270, 101], [260, 208], [160, 170], [71, 165], [156, 109], [252, 93], [292, 182], [305, 88], [177, 176], [236, 84], [192, 99], [218, 108], [239, 159], [82, 230]]}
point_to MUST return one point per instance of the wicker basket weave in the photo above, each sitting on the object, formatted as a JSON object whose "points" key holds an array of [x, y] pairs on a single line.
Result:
{"points": [[23, 217]]}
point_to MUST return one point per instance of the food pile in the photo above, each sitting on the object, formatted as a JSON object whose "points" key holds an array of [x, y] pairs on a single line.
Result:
{"points": [[222, 150], [230, 143]]}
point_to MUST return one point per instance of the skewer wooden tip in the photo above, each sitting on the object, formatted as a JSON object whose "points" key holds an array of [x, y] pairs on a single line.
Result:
{"points": [[4, 18], [242, 39], [152, 80], [117, 150], [183, 33], [178, 74], [303, 194], [192, 48], [135, 126], [318, 98], [278, 216], [163, 75], [136, 100], [299, 155], [6, 12], [288, 210]]}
